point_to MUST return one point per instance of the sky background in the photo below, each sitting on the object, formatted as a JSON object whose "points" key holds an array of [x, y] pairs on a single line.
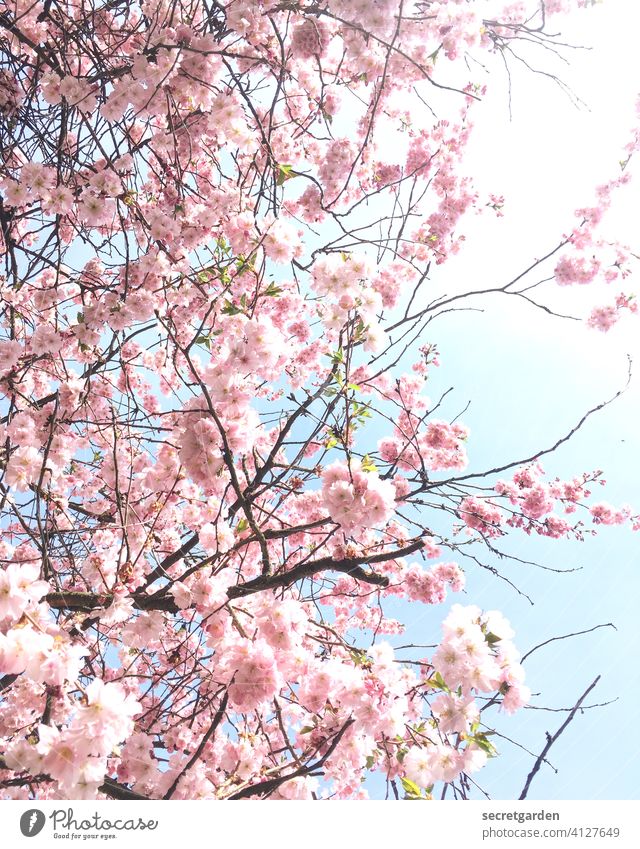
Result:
{"points": [[530, 378]]}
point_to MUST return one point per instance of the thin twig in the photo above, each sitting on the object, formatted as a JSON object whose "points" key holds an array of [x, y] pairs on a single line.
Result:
{"points": [[551, 739]]}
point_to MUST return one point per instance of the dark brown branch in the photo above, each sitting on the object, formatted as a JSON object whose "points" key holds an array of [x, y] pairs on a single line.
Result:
{"points": [[545, 451], [118, 791], [551, 739], [566, 637], [173, 558], [6, 681], [350, 566], [92, 601]]}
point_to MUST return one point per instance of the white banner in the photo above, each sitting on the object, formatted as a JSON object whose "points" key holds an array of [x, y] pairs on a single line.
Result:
{"points": [[310, 825]]}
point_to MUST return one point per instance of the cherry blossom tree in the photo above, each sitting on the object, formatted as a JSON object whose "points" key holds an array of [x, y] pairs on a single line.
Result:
{"points": [[219, 465]]}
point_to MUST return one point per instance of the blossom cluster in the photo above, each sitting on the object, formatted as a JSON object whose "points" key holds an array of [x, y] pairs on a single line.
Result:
{"points": [[475, 656], [356, 499]]}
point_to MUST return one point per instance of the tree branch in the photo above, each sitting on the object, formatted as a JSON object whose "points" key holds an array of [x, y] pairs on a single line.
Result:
{"points": [[552, 739], [566, 637], [350, 566], [264, 788], [209, 734]]}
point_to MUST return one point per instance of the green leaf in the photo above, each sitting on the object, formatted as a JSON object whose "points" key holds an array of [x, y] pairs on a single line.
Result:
{"points": [[273, 291], [411, 789], [230, 309], [437, 682], [483, 743], [410, 786], [204, 340], [367, 464], [246, 262], [284, 173], [360, 657], [360, 411]]}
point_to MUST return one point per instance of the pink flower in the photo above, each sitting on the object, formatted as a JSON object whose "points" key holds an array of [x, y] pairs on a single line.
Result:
{"points": [[482, 515], [445, 762], [24, 650], [109, 711], [603, 318], [310, 38], [20, 589], [16, 194], [65, 753], [23, 468], [255, 678], [356, 499], [417, 766], [455, 714], [576, 270], [433, 762], [58, 200], [10, 353], [181, 595], [605, 514], [517, 696]]}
